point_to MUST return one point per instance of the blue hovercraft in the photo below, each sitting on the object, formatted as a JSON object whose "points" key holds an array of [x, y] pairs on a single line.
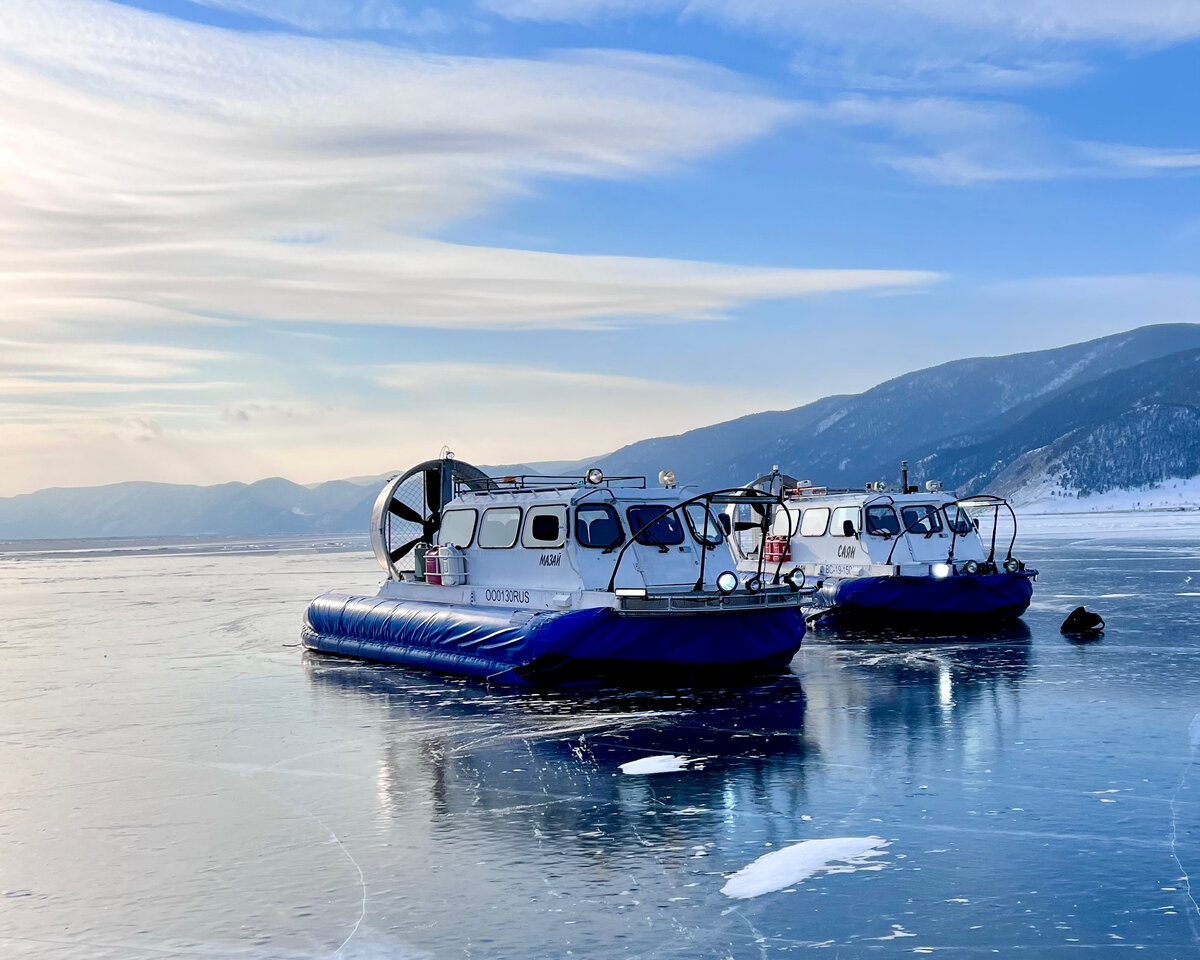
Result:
{"points": [[895, 557], [539, 580]]}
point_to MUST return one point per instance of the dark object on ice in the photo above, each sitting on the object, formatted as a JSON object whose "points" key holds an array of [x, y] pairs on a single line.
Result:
{"points": [[1082, 620]]}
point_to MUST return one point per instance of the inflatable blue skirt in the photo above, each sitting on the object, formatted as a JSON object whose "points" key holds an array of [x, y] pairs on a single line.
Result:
{"points": [[526, 647], [964, 599]]}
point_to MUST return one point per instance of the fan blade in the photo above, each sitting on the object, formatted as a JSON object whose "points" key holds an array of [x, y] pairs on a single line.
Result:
{"points": [[405, 512], [400, 551]]}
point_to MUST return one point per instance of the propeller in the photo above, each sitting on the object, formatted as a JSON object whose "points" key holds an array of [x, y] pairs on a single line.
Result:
{"points": [[771, 483], [408, 510]]}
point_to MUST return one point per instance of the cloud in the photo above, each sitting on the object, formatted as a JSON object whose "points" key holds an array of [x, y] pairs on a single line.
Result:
{"points": [[159, 171], [962, 142], [926, 43], [488, 413], [341, 15]]}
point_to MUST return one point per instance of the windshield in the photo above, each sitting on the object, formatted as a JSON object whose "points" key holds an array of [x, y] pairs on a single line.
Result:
{"points": [[662, 527], [958, 521], [923, 518], [695, 513]]}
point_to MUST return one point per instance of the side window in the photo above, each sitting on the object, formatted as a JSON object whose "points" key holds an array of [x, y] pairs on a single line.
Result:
{"points": [[882, 521], [545, 526], [458, 527], [695, 513], [785, 523], [499, 526], [842, 515], [662, 527], [814, 522], [597, 525], [923, 518]]}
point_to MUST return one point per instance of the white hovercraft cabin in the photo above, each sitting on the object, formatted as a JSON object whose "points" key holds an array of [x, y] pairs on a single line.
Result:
{"points": [[509, 578], [882, 554]]}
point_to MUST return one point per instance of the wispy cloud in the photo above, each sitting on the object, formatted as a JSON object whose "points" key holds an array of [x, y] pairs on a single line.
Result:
{"points": [[944, 44], [344, 15], [159, 171]]}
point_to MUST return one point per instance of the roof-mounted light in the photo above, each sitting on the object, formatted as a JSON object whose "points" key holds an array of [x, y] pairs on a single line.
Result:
{"points": [[933, 486], [667, 478], [594, 476]]}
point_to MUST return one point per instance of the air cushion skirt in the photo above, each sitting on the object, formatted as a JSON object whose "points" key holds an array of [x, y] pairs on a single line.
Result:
{"points": [[509, 646], [961, 599]]}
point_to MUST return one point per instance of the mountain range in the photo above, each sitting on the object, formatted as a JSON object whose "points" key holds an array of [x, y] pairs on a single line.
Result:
{"points": [[1118, 412]]}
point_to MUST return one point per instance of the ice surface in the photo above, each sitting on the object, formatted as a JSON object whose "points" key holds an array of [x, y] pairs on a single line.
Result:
{"points": [[781, 868], [665, 764], [180, 780]]}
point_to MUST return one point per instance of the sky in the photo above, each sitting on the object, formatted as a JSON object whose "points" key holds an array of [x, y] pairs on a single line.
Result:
{"points": [[324, 238]]}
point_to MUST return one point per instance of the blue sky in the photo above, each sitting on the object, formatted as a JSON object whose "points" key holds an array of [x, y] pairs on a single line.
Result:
{"points": [[321, 238]]}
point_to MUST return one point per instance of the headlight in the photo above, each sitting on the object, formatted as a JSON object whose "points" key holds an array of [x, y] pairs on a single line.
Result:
{"points": [[753, 585], [727, 582], [971, 567], [940, 570], [1012, 565], [794, 578]]}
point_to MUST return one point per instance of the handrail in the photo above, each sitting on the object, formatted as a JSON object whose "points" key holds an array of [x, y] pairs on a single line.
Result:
{"points": [[541, 482], [725, 495]]}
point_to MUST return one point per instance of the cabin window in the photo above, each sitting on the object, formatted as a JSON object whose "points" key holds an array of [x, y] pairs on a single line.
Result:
{"points": [[597, 525], [786, 523], [957, 520], [923, 518], [882, 521], [814, 522], [662, 526], [499, 526], [545, 526], [697, 516], [458, 527], [842, 516]]}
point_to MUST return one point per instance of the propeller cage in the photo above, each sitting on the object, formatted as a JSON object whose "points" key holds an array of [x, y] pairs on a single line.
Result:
{"points": [[408, 510]]}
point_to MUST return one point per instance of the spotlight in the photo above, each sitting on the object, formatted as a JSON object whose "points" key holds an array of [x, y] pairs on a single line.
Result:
{"points": [[727, 582], [940, 570], [594, 476]]}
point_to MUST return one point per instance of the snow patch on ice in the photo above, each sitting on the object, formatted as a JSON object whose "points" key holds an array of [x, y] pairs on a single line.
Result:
{"points": [[668, 763], [799, 861]]}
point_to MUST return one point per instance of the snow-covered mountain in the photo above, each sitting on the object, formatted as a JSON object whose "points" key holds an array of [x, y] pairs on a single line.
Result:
{"points": [[1116, 418]]}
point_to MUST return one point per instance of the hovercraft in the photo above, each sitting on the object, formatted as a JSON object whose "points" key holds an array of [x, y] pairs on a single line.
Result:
{"points": [[540, 580], [903, 557]]}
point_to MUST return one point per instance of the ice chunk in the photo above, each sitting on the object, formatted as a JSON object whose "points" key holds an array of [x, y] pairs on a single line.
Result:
{"points": [[782, 868], [668, 763]]}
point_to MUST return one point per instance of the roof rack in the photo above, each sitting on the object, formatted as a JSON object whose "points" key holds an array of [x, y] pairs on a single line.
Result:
{"points": [[539, 482]]}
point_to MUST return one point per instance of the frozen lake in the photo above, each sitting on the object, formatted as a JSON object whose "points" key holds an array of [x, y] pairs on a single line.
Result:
{"points": [[177, 779]]}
